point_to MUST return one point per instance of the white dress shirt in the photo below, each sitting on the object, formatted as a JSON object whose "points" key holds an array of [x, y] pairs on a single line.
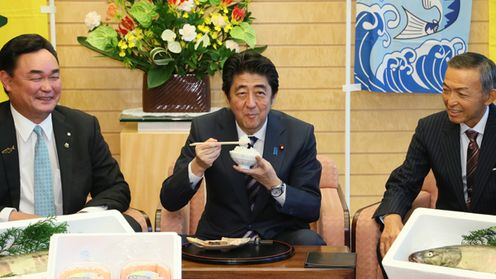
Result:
{"points": [[26, 141]]}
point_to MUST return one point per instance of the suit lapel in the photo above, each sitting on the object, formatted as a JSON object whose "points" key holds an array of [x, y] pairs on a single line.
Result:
{"points": [[9, 153], [450, 145], [487, 159], [63, 138]]}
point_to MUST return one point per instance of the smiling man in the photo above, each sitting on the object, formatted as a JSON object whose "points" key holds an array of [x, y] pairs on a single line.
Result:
{"points": [[458, 144], [52, 157], [275, 199]]}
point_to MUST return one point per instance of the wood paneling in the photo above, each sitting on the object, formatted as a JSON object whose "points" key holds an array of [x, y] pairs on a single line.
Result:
{"points": [[306, 40]]}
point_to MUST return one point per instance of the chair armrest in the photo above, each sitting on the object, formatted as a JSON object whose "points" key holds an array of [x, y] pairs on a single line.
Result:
{"points": [[167, 221], [141, 217], [366, 234], [364, 239], [333, 224]]}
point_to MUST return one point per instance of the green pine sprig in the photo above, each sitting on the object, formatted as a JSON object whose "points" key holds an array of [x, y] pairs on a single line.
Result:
{"points": [[35, 237], [481, 237]]}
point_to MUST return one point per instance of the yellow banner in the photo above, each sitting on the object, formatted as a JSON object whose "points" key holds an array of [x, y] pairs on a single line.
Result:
{"points": [[492, 30], [19, 17]]}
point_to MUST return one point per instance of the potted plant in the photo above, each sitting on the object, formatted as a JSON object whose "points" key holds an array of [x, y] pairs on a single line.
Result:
{"points": [[170, 39]]}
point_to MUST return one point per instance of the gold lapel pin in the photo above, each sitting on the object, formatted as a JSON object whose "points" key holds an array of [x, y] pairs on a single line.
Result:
{"points": [[8, 150]]}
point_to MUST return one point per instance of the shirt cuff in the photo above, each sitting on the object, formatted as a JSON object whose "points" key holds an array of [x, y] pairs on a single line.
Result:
{"points": [[5, 213], [193, 179], [282, 198], [90, 209]]}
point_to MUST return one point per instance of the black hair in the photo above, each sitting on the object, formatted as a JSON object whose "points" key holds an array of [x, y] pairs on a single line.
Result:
{"points": [[486, 67], [249, 61]]}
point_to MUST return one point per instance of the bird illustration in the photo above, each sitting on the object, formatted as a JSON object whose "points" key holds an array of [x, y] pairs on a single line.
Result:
{"points": [[417, 27]]}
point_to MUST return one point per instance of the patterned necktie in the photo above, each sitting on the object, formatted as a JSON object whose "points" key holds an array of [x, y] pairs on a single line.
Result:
{"points": [[43, 190], [252, 185], [472, 161]]}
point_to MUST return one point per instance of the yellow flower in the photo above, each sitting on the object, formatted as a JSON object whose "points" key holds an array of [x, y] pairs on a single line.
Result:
{"points": [[122, 53], [122, 45], [203, 28]]}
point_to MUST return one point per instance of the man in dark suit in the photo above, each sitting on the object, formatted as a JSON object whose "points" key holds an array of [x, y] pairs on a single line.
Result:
{"points": [[442, 144], [287, 175], [80, 162]]}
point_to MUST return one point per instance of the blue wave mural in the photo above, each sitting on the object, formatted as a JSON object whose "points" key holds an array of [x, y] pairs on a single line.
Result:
{"points": [[393, 56]]}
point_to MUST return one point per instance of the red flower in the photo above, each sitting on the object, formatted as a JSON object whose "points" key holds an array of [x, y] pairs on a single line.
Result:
{"points": [[176, 2], [127, 24], [226, 2], [238, 14]]}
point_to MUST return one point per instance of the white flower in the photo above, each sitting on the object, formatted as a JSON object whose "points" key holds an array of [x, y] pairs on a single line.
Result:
{"points": [[174, 46], [218, 20], [168, 35], [232, 45], [187, 6], [92, 20], [205, 40], [188, 32]]}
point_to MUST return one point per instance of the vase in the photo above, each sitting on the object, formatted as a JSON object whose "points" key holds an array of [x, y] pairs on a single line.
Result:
{"points": [[178, 94]]}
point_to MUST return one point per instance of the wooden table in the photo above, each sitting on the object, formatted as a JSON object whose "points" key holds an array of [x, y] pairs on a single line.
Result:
{"points": [[291, 268]]}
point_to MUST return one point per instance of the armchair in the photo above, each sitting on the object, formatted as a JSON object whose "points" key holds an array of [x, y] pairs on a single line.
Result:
{"points": [[365, 231], [141, 217], [333, 224]]}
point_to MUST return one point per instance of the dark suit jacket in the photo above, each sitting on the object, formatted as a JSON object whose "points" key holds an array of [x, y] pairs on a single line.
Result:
{"points": [[436, 145], [291, 149], [86, 164]]}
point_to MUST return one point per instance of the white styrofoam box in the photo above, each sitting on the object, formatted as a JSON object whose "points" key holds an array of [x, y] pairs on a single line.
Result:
{"points": [[114, 251], [431, 228], [108, 221]]}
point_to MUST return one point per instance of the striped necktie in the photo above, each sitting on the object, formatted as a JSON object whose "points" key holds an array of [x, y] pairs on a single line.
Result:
{"points": [[252, 185], [472, 161], [43, 190]]}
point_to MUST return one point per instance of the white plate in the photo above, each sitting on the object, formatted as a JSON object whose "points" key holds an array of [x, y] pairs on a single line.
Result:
{"points": [[223, 244]]}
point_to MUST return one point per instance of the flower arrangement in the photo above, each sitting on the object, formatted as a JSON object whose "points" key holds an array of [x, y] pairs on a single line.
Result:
{"points": [[167, 37]]}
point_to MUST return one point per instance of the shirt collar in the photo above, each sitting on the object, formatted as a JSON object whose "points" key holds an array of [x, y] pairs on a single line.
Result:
{"points": [[260, 134], [25, 126], [479, 127]]}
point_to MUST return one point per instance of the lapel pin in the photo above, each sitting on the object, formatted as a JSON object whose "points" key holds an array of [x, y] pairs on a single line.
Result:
{"points": [[8, 150]]}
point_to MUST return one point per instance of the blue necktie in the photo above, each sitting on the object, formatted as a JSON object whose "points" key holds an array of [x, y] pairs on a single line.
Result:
{"points": [[43, 190]]}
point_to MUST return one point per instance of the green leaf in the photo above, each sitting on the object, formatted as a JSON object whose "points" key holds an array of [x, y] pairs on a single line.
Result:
{"points": [[244, 32], [103, 38], [214, 2], [260, 49], [136, 63], [144, 12], [158, 76]]}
